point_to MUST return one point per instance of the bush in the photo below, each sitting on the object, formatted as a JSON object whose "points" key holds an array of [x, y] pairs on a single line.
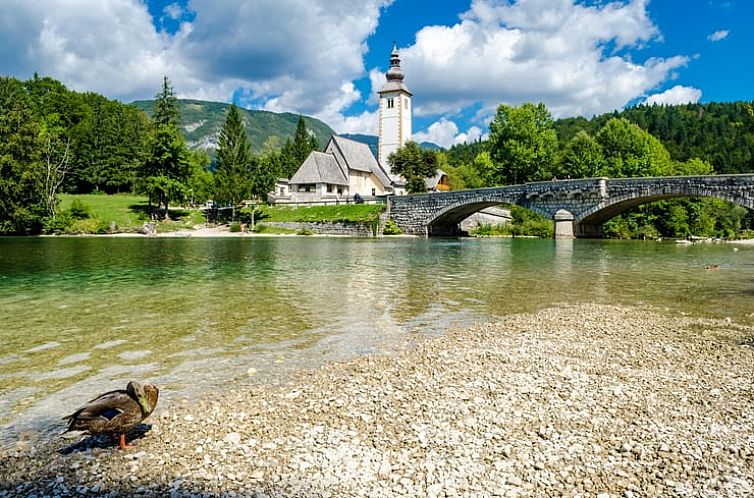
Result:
{"points": [[235, 227], [58, 225], [487, 230], [391, 228], [90, 225], [304, 231], [79, 210]]}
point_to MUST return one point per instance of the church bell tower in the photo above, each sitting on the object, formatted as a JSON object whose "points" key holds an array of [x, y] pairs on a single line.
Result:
{"points": [[394, 123]]}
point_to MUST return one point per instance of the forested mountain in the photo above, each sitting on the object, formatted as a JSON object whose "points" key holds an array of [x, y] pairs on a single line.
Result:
{"points": [[719, 133], [201, 122], [373, 142]]}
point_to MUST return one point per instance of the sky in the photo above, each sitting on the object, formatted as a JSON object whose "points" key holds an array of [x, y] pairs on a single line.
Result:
{"points": [[327, 58]]}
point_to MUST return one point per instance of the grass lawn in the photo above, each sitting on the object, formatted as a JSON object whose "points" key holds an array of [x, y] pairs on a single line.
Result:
{"points": [[127, 211]]}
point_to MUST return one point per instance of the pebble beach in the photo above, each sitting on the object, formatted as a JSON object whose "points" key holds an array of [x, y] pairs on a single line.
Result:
{"points": [[574, 401]]}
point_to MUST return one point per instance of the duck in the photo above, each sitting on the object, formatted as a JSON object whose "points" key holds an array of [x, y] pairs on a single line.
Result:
{"points": [[711, 266], [115, 412]]}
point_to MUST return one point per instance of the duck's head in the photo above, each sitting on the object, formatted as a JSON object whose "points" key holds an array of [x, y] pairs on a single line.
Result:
{"points": [[145, 394]]}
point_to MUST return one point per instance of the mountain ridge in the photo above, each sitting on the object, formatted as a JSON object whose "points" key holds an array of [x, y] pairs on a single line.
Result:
{"points": [[201, 122], [372, 141]]}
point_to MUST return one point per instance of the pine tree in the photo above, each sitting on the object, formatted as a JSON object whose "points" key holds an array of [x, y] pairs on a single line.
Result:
{"points": [[233, 182], [166, 106], [295, 153], [166, 168]]}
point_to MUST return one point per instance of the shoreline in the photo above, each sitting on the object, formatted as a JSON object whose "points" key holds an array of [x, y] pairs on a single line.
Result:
{"points": [[218, 232], [588, 400]]}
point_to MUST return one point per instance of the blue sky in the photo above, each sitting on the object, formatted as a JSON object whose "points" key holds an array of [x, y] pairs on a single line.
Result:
{"points": [[327, 57]]}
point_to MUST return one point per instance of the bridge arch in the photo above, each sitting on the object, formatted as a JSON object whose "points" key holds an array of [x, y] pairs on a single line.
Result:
{"points": [[588, 202], [589, 222], [446, 221]]}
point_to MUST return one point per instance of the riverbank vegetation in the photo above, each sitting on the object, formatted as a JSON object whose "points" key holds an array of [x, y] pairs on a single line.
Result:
{"points": [[523, 223], [54, 141]]}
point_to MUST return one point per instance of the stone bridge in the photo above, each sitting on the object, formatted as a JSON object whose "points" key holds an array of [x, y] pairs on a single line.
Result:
{"points": [[577, 207]]}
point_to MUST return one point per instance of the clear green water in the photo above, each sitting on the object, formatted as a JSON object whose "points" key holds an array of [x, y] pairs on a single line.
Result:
{"points": [[79, 316]]}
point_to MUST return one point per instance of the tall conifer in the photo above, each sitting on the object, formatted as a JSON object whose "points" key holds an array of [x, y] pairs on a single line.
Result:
{"points": [[233, 182]]}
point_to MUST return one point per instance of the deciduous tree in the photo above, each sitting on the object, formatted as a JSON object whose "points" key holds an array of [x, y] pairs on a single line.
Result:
{"points": [[582, 157], [630, 151], [522, 143], [415, 164], [22, 198]]}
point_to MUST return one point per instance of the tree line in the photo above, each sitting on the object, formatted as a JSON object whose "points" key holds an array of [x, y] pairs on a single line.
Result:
{"points": [[55, 140], [526, 144]]}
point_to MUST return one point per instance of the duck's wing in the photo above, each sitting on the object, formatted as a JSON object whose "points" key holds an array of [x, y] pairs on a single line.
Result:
{"points": [[105, 412], [93, 408]]}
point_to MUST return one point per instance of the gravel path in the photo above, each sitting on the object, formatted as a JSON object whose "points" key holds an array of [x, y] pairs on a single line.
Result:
{"points": [[588, 400]]}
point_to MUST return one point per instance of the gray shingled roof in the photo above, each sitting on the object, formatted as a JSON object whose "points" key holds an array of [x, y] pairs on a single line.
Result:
{"points": [[358, 155], [320, 168], [394, 86]]}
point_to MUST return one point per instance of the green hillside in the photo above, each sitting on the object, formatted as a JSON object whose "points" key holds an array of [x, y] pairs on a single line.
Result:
{"points": [[201, 123]]}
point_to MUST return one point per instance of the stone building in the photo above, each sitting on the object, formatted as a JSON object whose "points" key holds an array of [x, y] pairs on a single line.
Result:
{"points": [[344, 169], [347, 169]]}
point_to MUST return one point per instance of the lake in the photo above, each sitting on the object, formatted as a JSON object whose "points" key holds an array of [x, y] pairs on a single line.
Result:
{"points": [[82, 315]]}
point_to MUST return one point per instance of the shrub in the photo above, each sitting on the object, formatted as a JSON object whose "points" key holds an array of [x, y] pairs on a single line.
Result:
{"points": [[79, 210], [235, 227], [58, 225], [391, 228]]}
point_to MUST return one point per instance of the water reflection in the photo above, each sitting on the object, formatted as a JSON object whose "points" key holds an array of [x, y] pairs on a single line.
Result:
{"points": [[82, 315]]}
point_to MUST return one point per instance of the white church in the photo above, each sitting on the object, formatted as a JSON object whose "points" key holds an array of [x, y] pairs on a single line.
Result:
{"points": [[348, 169]]}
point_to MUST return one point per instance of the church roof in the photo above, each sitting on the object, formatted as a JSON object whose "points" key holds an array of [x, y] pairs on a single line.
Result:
{"points": [[319, 168], [359, 156]]}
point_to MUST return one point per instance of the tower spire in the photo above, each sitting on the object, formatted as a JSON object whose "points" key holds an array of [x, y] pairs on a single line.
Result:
{"points": [[395, 73], [394, 119]]}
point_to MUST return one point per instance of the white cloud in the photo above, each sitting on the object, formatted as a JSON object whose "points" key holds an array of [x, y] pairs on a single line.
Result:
{"points": [[676, 95], [293, 55], [304, 55], [718, 35], [109, 47], [554, 51], [472, 134], [445, 133]]}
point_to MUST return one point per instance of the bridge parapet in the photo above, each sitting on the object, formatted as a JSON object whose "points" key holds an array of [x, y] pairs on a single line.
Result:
{"points": [[588, 202]]}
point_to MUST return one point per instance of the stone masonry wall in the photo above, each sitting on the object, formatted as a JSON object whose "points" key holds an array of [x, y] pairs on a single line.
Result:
{"points": [[590, 200], [327, 228]]}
